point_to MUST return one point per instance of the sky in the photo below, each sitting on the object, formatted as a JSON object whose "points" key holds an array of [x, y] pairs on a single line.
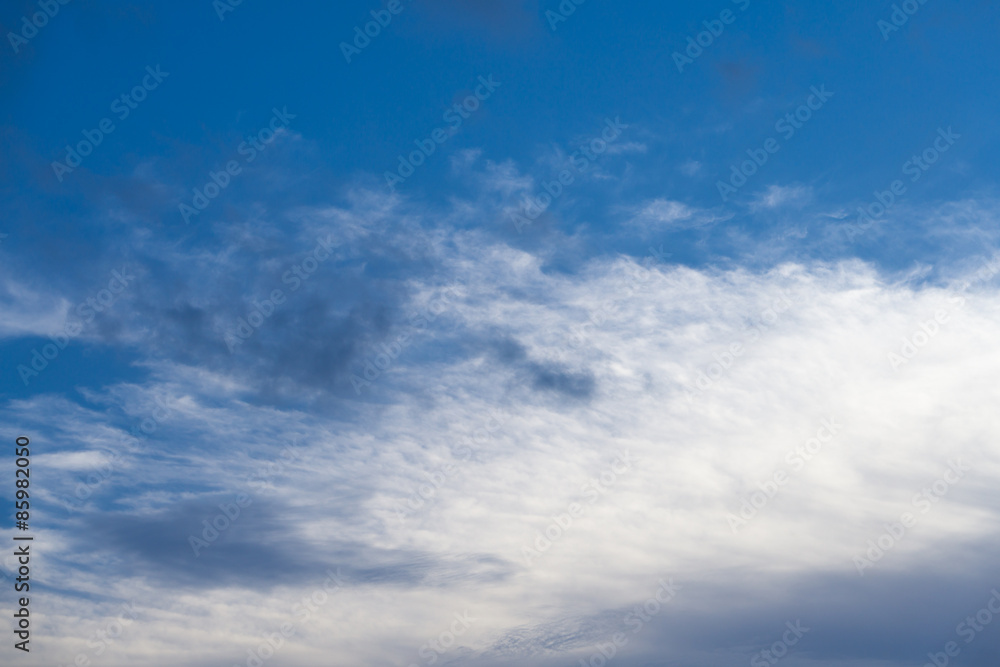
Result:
{"points": [[474, 333]]}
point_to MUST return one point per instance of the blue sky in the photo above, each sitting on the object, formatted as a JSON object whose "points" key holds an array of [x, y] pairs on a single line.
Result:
{"points": [[681, 307]]}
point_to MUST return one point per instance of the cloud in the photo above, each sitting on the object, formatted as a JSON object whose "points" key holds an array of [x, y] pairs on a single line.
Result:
{"points": [[778, 195], [510, 404], [29, 312], [690, 168], [618, 356], [663, 216], [627, 147]]}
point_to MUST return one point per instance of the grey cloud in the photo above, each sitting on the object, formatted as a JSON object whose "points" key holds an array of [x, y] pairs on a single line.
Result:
{"points": [[260, 549]]}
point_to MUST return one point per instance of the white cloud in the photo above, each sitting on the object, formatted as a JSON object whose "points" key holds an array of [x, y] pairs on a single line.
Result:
{"points": [[627, 147], [29, 311], [659, 216], [781, 195], [690, 168], [815, 344]]}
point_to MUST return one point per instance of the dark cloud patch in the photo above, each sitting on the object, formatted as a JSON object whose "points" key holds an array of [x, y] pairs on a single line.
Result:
{"points": [[303, 346], [256, 549], [884, 618], [739, 77], [552, 638], [497, 18], [314, 345], [571, 384], [249, 550], [509, 351], [183, 328], [544, 377]]}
